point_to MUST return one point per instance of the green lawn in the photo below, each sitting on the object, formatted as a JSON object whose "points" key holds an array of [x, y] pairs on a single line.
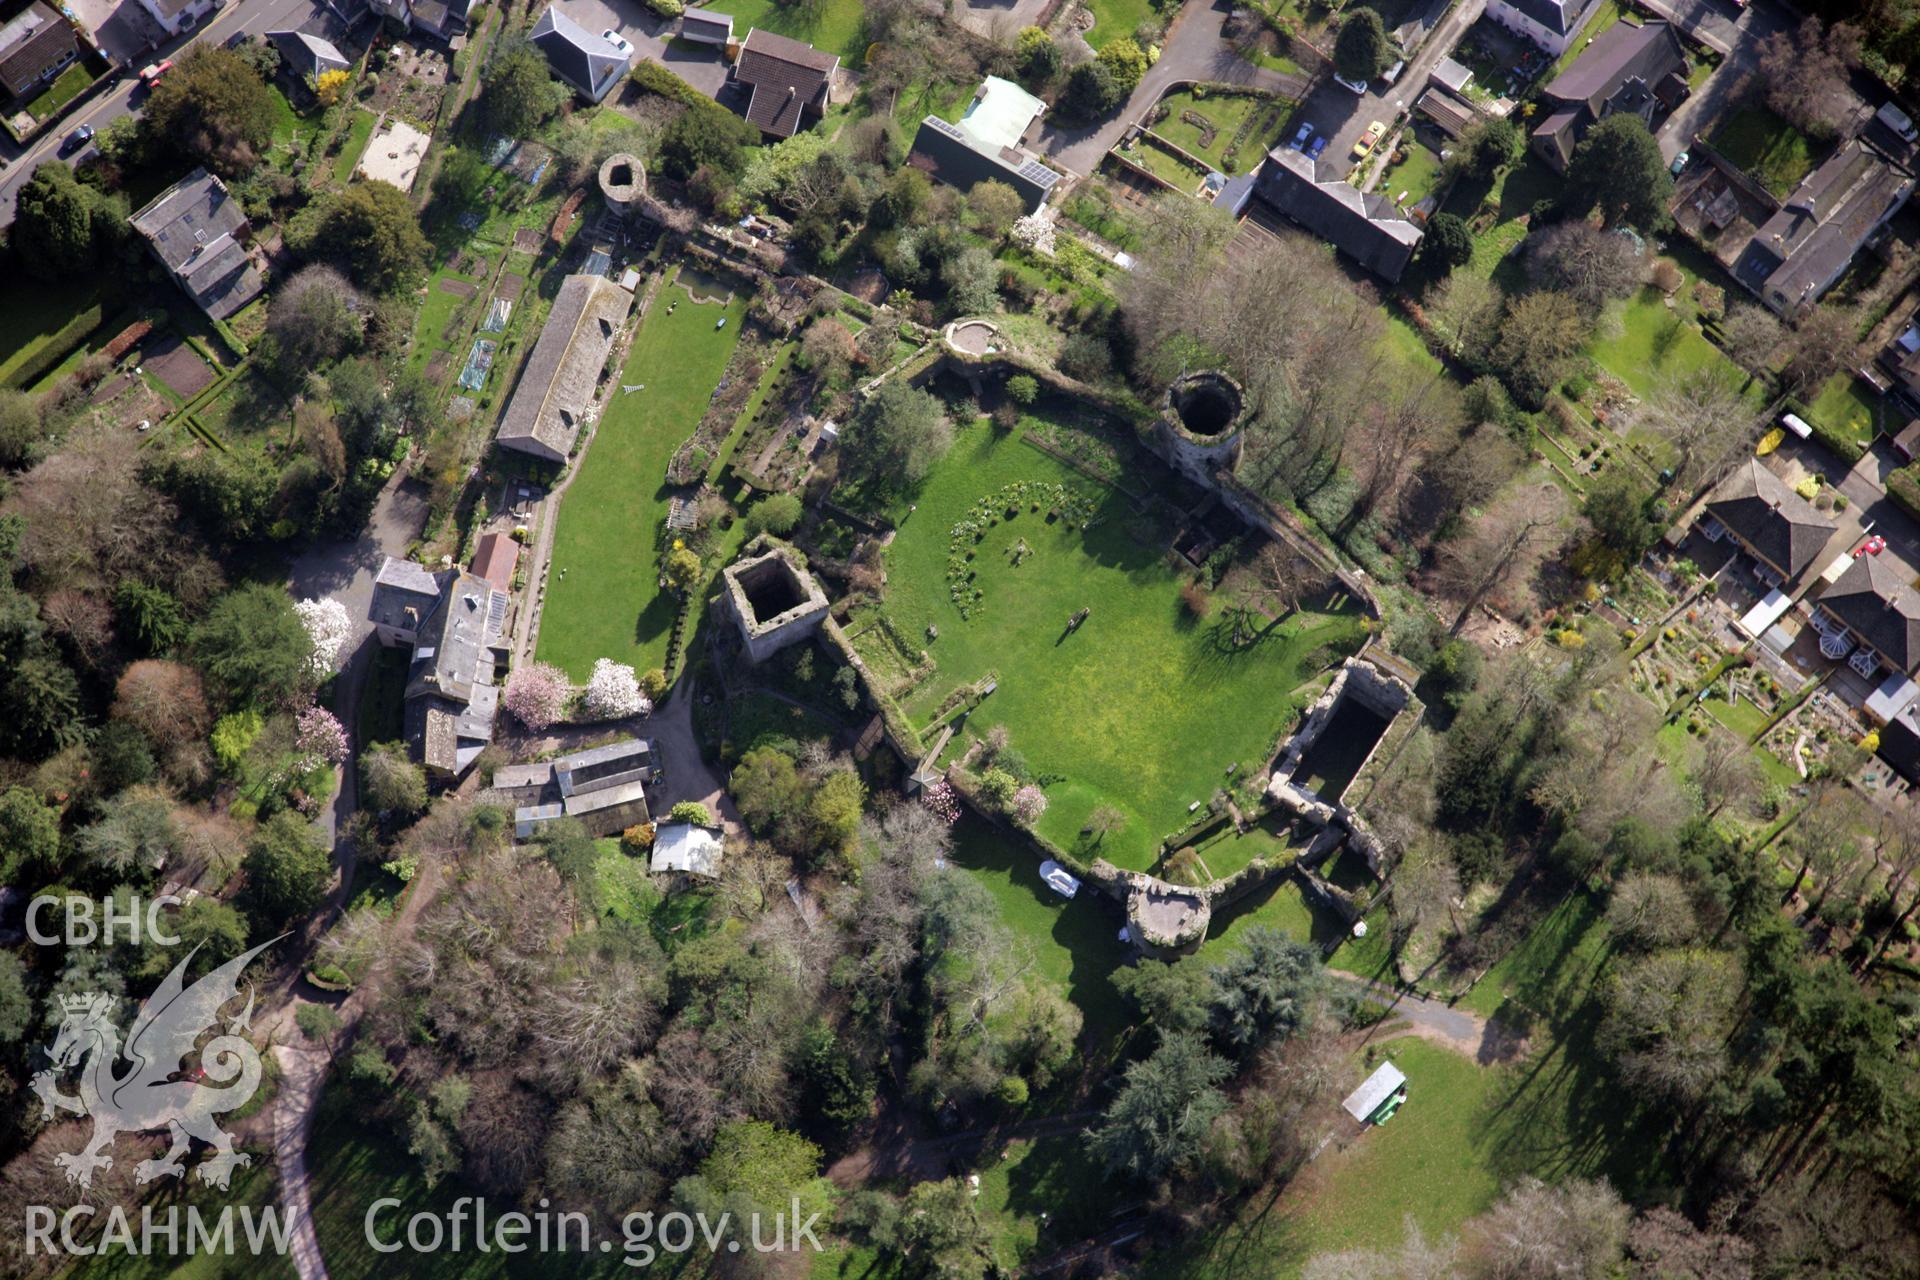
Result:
{"points": [[357, 134], [607, 605], [247, 406], [1848, 404], [288, 124], [1163, 163], [1413, 179], [1115, 18], [1775, 153], [65, 88], [1117, 708], [835, 26], [31, 316], [1645, 344], [1223, 116], [254, 1189]]}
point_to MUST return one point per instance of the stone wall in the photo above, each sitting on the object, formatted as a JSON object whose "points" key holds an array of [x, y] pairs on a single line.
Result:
{"points": [[1385, 695], [766, 636]]}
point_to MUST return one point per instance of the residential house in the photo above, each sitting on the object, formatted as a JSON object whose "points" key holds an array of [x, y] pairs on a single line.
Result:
{"points": [[443, 20], [36, 45], [1762, 513], [1800, 251], [178, 17], [308, 57], [687, 848], [987, 144], [549, 405], [1901, 359], [1638, 70], [1551, 24], [788, 82], [604, 788], [584, 59], [198, 231], [1367, 227], [703, 26], [457, 632], [1870, 616]]}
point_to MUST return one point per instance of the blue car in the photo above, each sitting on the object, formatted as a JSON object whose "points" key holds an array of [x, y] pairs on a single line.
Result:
{"points": [[1300, 139], [1319, 145]]}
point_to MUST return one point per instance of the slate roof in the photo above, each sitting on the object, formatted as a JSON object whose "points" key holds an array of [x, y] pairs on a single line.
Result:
{"points": [[31, 42], [193, 227], [1449, 113], [944, 151], [544, 416], [1365, 227], [788, 79], [1799, 251], [1619, 72], [1872, 597], [451, 700], [581, 57], [1557, 16], [308, 55], [403, 585], [598, 768], [1779, 524], [714, 23]]}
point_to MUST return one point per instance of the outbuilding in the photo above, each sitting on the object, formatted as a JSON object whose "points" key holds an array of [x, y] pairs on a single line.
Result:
{"points": [[1378, 1096]]}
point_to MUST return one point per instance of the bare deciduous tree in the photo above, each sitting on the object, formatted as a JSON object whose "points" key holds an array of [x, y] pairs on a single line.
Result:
{"points": [[1702, 414], [1500, 543]]}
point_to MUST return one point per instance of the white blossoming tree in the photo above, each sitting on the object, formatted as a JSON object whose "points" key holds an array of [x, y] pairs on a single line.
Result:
{"points": [[613, 692], [329, 627], [1035, 231], [1027, 805], [537, 694]]}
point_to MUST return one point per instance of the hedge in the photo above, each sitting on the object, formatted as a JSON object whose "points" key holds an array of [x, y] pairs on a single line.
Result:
{"points": [[1836, 441], [654, 78], [58, 347], [1903, 486]]}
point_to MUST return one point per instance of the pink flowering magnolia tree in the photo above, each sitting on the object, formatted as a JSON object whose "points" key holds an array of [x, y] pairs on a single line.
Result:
{"points": [[537, 694], [1027, 805], [613, 692], [943, 801], [320, 737], [329, 627]]}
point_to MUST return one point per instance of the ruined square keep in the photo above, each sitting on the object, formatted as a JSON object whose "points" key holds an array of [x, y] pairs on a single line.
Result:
{"points": [[772, 599]]}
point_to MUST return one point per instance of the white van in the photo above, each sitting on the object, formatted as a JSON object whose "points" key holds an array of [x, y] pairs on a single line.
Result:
{"points": [[1898, 121], [1796, 424]]}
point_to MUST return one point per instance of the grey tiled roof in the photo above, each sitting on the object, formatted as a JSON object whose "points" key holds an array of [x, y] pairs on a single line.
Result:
{"points": [[1779, 524], [581, 57], [555, 389], [193, 227], [1799, 251], [1872, 597], [1367, 228]]}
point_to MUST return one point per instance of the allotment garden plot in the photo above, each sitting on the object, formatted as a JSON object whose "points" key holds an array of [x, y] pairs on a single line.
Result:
{"points": [[1141, 707]]}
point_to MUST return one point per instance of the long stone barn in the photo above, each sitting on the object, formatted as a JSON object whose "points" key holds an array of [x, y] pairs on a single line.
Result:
{"points": [[549, 405]]}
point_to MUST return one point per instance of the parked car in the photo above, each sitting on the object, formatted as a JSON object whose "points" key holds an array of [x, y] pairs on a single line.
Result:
{"points": [[1679, 163], [1301, 138], [1358, 86], [77, 139], [151, 73], [1363, 147], [618, 41], [235, 40], [1317, 146]]}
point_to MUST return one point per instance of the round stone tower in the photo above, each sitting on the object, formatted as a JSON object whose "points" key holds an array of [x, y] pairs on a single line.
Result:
{"points": [[623, 183], [1200, 424]]}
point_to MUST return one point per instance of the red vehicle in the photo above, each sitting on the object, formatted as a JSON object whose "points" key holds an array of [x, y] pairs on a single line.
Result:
{"points": [[151, 73]]}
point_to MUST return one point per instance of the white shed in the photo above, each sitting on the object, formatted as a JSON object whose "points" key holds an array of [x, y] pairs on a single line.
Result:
{"points": [[1364, 1103], [683, 846]]}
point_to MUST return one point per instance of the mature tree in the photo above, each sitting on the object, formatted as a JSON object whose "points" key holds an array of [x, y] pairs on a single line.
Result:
{"points": [[1618, 169], [1824, 341], [390, 782], [1426, 889], [58, 223], [1126, 60], [1750, 334], [1157, 1124], [313, 319], [21, 430], [517, 92], [1395, 433], [29, 835], [1726, 774], [706, 136], [972, 278], [1824, 839], [288, 867], [214, 107], [1663, 1245], [370, 230], [1583, 261], [253, 647], [896, 435], [1668, 1019], [1490, 144], [1361, 51], [1647, 912], [1498, 545], [1802, 71], [754, 1171], [1266, 991], [1449, 243], [1103, 822], [776, 513], [1702, 414], [1092, 91], [1624, 521], [1539, 337], [1465, 311], [16, 1006], [994, 206], [936, 1228], [1574, 1230]]}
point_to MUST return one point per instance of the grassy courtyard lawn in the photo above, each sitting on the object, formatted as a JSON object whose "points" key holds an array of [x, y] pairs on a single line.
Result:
{"points": [[1413, 179], [437, 311], [65, 88], [1224, 115], [357, 134], [1500, 207], [1115, 18], [1166, 165], [1075, 942], [1141, 708], [1645, 344], [1743, 717], [607, 604], [1849, 405], [289, 125], [836, 26], [254, 1189], [1775, 153]]}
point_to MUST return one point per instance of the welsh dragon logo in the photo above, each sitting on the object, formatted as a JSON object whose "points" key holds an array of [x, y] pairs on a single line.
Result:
{"points": [[154, 1093]]}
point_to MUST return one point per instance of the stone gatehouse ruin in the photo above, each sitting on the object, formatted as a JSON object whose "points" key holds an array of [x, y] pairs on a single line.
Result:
{"points": [[1339, 737], [771, 598]]}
